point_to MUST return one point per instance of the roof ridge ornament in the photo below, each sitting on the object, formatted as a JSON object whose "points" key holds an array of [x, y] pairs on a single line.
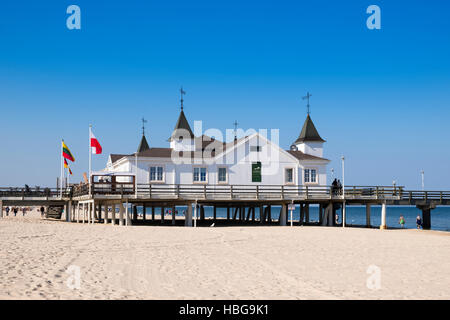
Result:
{"points": [[143, 125], [182, 92], [308, 95]]}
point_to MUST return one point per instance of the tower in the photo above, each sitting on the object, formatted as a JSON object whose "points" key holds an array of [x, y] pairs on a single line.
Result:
{"points": [[182, 138], [309, 140], [143, 145]]}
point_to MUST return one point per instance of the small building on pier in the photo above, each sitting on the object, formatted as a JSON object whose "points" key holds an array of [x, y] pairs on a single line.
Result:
{"points": [[250, 160]]}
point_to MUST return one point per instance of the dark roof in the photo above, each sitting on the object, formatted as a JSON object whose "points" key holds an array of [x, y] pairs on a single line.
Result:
{"points": [[143, 145], [303, 156], [181, 127], [309, 132], [116, 157], [156, 152]]}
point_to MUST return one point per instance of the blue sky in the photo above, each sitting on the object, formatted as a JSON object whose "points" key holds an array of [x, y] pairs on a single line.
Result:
{"points": [[380, 97]]}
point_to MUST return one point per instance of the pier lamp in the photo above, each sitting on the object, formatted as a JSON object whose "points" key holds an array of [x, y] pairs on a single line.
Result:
{"points": [[343, 191], [422, 173]]}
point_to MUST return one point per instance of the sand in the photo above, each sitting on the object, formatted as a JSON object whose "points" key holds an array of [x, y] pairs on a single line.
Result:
{"points": [[143, 262]]}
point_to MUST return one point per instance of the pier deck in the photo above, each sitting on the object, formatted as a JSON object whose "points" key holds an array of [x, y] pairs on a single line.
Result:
{"points": [[236, 198]]}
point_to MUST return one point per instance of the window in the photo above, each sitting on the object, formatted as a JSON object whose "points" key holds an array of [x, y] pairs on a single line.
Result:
{"points": [[255, 148], [313, 175], [222, 175], [310, 175], [256, 172], [289, 175], [156, 173], [199, 175]]}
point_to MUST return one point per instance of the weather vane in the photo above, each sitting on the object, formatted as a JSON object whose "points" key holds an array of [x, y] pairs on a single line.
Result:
{"points": [[308, 95], [182, 92], [143, 126]]}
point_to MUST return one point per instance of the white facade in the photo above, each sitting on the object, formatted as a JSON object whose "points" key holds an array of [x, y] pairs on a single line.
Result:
{"points": [[236, 165], [314, 148]]}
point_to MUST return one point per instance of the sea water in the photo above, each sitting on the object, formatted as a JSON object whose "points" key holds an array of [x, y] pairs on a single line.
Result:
{"points": [[355, 215]]}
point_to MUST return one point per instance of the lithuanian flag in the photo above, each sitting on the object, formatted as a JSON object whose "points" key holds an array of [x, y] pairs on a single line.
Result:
{"points": [[66, 165], [66, 152]]}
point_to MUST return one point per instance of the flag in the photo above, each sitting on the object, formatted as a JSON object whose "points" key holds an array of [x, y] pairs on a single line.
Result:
{"points": [[95, 145], [66, 153], [66, 165]]}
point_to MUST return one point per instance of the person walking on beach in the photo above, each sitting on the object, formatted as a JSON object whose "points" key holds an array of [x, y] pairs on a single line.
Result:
{"points": [[418, 221], [15, 211], [7, 211], [402, 221], [24, 210], [42, 211]]}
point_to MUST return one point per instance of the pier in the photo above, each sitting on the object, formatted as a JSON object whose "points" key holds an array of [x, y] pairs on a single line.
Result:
{"points": [[117, 202]]}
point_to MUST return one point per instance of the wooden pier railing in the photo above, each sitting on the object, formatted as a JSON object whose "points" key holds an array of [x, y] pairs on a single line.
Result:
{"points": [[230, 192]]}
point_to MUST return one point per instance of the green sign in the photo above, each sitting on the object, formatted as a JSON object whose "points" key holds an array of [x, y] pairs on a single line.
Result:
{"points": [[256, 172]]}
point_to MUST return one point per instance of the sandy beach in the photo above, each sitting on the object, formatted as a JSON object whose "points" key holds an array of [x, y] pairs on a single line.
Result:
{"points": [[38, 258]]}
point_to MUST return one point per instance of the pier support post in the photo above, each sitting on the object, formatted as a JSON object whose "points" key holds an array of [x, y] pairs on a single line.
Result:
{"points": [[302, 214], [113, 214], [306, 212], [128, 219], [188, 216], [105, 221], [426, 215], [121, 214], [69, 212], [228, 213], [153, 213], [173, 216], [202, 213], [1, 209], [368, 215], [162, 215], [383, 216], [93, 208], [135, 214], [283, 215], [144, 212], [77, 212], [426, 218]]}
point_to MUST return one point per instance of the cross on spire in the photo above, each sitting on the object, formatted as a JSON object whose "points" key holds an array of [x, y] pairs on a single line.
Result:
{"points": [[182, 92], [143, 125], [308, 95], [235, 129]]}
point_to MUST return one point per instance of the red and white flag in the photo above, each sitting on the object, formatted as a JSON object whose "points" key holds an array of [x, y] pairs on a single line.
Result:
{"points": [[95, 145]]}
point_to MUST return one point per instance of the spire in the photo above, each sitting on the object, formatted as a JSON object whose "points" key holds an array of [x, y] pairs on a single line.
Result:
{"points": [[309, 132], [144, 144], [182, 124]]}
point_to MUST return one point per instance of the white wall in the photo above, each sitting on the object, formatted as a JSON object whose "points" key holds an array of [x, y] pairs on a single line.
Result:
{"points": [[312, 148], [239, 166]]}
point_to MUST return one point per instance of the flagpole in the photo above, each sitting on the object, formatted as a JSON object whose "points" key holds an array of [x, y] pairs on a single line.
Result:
{"points": [[90, 158], [62, 170]]}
